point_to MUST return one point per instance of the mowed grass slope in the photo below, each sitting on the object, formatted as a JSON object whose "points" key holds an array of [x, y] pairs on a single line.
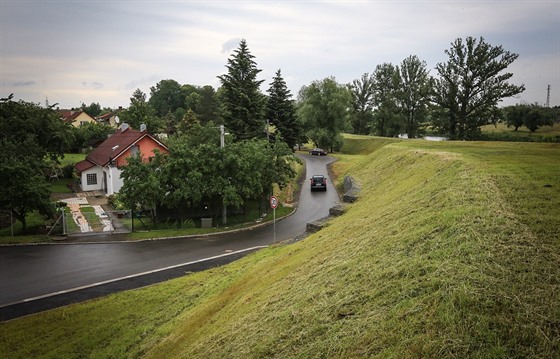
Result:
{"points": [[452, 251]]}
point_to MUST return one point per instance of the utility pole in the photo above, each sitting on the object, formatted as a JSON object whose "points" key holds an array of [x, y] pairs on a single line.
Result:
{"points": [[548, 96], [224, 207]]}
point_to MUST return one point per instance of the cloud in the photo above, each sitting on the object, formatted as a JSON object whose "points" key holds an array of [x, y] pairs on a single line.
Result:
{"points": [[137, 83], [230, 45], [24, 83], [136, 46]]}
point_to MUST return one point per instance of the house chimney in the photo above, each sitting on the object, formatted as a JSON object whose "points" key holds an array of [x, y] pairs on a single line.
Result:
{"points": [[124, 127], [143, 127]]}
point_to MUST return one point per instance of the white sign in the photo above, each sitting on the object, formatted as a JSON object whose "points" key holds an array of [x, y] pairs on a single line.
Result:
{"points": [[273, 202]]}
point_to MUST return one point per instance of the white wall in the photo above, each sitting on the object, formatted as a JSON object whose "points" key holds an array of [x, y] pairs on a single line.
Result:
{"points": [[114, 180], [96, 187]]}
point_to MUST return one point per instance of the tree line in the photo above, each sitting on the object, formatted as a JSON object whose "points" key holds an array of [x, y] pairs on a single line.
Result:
{"points": [[263, 128], [394, 99]]}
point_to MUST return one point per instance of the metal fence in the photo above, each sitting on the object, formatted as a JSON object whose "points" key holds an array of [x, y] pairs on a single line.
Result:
{"points": [[104, 222]]}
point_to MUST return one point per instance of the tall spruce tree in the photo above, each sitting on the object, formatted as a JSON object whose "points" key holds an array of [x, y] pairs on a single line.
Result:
{"points": [[281, 113], [243, 103]]}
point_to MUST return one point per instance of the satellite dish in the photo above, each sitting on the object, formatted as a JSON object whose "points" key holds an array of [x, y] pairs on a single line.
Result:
{"points": [[117, 120]]}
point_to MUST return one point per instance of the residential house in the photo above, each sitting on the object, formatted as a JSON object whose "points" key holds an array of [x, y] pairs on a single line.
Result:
{"points": [[111, 118], [101, 170], [75, 117]]}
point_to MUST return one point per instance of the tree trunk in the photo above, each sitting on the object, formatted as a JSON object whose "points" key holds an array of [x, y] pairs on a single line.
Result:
{"points": [[22, 219]]}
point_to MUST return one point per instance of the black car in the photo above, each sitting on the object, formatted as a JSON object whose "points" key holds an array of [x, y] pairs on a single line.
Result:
{"points": [[318, 152], [319, 182]]}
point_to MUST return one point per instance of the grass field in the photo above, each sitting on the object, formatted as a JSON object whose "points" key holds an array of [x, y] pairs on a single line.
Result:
{"points": [[501, 132], [452, 251]]}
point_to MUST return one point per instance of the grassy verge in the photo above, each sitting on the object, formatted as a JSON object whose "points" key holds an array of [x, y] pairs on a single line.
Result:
{"points": [[453, 251]]}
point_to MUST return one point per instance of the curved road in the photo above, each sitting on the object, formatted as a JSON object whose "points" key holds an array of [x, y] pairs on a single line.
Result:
{"points": [[28, 273]]}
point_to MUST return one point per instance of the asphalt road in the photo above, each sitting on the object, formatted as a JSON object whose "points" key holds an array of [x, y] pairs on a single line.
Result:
{"points": [[30, 274]]}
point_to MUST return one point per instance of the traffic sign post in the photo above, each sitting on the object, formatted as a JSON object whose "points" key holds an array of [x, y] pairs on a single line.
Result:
{"points": [[273, 205]]}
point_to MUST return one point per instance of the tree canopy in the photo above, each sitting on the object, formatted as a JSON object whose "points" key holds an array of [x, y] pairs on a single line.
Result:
{"points": [[197, 172], [324, 108], [413, 93], [166, 96], [362, 104], [470, 85], [388, 118], [141, 112], [30, 137], [530, 116]]}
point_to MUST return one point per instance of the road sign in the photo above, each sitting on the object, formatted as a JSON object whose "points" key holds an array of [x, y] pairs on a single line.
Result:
{"points": [[273, 202]]}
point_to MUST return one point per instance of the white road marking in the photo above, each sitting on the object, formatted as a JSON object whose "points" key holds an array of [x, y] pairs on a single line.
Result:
{"points": [[129, 277]]}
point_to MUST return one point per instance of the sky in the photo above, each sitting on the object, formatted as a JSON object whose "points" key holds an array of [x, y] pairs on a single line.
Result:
{"points": [[71, 52]]}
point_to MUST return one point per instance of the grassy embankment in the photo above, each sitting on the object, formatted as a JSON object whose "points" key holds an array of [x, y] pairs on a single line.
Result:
{"points": [[453, 251]]}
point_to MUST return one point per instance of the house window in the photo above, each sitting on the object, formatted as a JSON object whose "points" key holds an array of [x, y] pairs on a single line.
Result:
{"points": [[134, 150], [91, 179]]}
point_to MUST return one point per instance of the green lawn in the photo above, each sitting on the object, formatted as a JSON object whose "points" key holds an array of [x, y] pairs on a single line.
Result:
{"points": [[72, 158], [61, 185], [452, 251]]}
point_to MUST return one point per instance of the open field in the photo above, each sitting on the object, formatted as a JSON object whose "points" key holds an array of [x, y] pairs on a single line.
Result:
{"points": [[452, 251], [501, 132]]}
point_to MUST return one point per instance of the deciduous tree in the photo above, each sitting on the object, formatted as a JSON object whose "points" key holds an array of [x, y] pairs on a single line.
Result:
{"points": [[470, 85], [140, 112], [362, 91], [30, 135], [530, 116], [324, 108], [413, 93], [165, 96], [142, 183], [388, 119]]}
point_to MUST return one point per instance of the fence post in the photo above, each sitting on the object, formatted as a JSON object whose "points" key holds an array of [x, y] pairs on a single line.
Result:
{"points": [[63, 221]]}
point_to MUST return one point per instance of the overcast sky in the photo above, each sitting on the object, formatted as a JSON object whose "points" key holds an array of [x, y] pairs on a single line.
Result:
{"points": [[72, 52]]}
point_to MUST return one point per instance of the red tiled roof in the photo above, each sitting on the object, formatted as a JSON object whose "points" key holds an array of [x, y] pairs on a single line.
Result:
{"points": [[83, 165], [68, 114], [108, 115], [115, 145]]}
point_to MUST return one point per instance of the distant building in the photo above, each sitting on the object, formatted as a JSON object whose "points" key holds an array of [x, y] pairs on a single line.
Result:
{"points": [[75, 117], [111, 118]]}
